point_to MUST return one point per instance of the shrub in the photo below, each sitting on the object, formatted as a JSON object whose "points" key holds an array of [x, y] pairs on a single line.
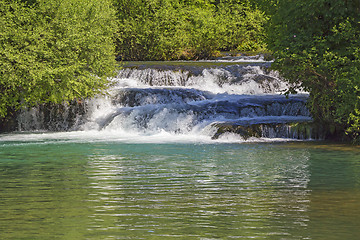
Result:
{"points": [[54, 51], [317, 46]]}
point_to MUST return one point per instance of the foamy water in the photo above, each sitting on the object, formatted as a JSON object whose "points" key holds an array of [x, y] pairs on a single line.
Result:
{"points": [[172, 106]]}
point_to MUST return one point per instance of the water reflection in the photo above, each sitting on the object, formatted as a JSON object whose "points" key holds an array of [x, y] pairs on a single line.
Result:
{"points": [[42, 192], [335, 207], [147, 191], [217, 193]]}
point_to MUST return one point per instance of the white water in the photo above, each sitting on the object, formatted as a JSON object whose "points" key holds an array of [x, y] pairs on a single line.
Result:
{"points": [[165, 106], [235, 79]]}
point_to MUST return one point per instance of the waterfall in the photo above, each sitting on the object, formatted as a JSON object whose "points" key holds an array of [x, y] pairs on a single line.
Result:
{"points": [[183, 99], [231, 79]]}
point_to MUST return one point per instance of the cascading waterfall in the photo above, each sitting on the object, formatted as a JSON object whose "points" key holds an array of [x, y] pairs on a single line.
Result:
{"points": [[239, 101]]}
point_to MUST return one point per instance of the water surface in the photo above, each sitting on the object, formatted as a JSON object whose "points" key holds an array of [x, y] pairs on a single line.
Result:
{"points": [[62, 189]]}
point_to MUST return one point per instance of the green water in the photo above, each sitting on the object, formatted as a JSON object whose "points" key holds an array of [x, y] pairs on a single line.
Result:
{"points": [[99, 190]]}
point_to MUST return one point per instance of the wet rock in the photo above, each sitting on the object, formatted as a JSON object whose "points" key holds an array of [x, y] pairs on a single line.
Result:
{"points": [[244, 131], [8, 124], [290, 130], [132, 97], [52, 117]]}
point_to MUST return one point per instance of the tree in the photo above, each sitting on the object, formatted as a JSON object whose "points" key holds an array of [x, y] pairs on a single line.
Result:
{"points": [[165, 29], [316, 44], [54, 51], [187, 29], [241, 24], [149, 30]]}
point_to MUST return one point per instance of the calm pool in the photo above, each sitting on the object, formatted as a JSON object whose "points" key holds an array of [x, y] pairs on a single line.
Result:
{"points": [[114, 190]]}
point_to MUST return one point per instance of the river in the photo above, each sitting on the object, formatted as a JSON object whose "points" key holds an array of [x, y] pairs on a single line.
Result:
{"points": [[148, 161], [71, 189]]}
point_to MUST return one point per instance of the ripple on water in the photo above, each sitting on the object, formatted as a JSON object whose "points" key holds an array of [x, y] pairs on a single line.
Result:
{"points": [[178, 191]]}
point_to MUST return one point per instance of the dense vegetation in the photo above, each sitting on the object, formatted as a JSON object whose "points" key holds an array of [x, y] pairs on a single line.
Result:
{"points": [[183, 29], [54, 51], [316, 44]]}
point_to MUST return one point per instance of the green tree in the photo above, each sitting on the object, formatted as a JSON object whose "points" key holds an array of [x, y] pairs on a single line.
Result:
{"points": [[316, 44], [184, 29], [241, 24], [54, 51], [149, 30], [165, 29]]}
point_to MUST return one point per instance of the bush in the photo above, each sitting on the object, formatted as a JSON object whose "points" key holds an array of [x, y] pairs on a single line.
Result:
{"points": [[182, 29], [149, 30], [317, 46], [54, 51], [242, 26]]}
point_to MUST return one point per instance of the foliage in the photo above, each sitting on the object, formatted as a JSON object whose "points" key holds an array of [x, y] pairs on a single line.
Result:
{"points": [[242, 26], [183, 29], [54, 51], [316, 44]]}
